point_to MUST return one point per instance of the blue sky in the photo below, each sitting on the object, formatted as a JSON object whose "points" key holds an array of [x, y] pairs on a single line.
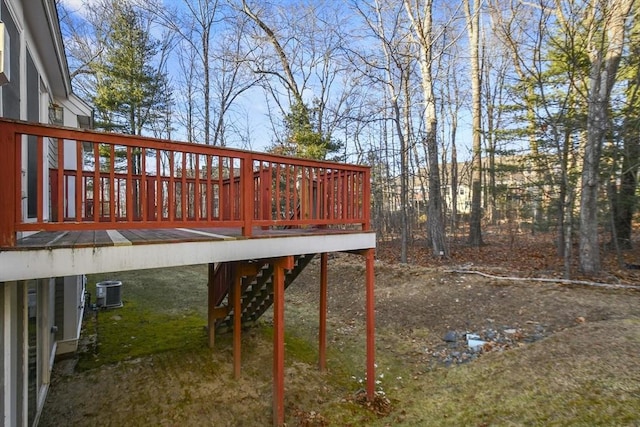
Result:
{"points": [[250, 113]]}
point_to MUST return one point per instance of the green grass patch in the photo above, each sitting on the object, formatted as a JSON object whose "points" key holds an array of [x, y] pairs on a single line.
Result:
{"points": [[586, 375], [133, 331], [156, 317]]}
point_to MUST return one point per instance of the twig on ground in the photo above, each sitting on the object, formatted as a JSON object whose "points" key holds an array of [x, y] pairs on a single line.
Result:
{"points": [[541, 279]]}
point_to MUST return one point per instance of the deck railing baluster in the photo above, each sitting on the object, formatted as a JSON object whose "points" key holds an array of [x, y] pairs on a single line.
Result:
{"points": [[296, 207], [97, 200], [196, 191], [61, 181], [209, 196], [159, 202], [142, 187], [112, 187], [184, 191], [278, 183], [247, 199], [222, 199], [79, 193], [171, 196], [129, 186], [40, 175]]}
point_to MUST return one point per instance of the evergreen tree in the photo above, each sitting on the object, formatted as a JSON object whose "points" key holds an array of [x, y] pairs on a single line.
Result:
{"points": [[303, 137], [132, 92]]}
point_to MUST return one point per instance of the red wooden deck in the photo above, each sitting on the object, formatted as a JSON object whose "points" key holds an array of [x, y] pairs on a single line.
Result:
{"points": [[83, 180], [76, 201]]}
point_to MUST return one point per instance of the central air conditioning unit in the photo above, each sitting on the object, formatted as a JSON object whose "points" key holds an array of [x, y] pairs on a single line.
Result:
{"points": [[5, 63], [109, 294]]}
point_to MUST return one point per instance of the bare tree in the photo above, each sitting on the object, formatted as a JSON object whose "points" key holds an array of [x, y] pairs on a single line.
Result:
{"points": [[625, 197], [473, 29], [605, 44], [194, 28], [420, 15], [383, 20]]}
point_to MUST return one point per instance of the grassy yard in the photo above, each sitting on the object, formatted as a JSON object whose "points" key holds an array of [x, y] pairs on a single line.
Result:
{"points": [[154, 352]]}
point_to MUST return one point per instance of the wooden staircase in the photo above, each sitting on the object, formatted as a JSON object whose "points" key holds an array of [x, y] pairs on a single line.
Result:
{"points": [[257, 289]]}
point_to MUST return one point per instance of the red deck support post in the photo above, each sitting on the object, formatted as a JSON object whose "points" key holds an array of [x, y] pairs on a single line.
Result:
{"points": [[278, 338], [237, 321], [322, 330], [371, 346], [8, 185], [211, 320]]}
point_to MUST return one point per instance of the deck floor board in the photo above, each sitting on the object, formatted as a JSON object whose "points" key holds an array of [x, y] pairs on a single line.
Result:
{"points": [[98, 238]]}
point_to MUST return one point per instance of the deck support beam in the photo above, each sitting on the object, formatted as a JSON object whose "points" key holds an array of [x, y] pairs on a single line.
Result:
{"points": [[371, 323], [284, 263], [211, 305], [322, 329], [236, 293], [370, 309]]}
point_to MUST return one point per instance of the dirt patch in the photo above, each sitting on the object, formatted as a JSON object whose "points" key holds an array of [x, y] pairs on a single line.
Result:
{"points": [[545, 341], [417, 307]]}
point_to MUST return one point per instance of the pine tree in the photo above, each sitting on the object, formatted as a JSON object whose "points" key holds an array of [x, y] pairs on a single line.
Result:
{"points": [[131, 90], [303, 137]]}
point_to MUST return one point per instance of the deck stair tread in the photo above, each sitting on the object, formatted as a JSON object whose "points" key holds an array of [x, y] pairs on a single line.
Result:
{"points": [[257, 290]]}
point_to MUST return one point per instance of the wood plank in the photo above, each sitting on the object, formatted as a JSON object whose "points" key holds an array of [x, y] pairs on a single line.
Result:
{"points": [[118, 239]]}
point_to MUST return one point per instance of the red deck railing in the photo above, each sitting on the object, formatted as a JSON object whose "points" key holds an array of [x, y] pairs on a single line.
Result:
{"points": [[64, 179]]}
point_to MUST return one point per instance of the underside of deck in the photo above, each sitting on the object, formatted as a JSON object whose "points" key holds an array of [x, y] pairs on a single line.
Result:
{"points": [[65, 253]]}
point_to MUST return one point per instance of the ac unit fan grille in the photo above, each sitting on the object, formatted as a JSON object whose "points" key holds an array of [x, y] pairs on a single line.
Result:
{"points": [[114, 295]]}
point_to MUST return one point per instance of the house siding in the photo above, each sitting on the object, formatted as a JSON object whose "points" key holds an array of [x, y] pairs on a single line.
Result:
{"points": [[35, 81]]}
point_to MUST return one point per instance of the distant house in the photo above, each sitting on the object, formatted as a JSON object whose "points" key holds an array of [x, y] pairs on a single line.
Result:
{"points": [[516, 184], [39, 318]]}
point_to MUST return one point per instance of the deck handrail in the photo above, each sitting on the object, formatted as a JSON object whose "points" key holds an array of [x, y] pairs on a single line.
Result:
{"points": [[133, 182]]}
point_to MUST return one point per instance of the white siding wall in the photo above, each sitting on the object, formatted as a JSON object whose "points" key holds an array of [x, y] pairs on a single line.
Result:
{"points": [[14, 347], [32, 56]]}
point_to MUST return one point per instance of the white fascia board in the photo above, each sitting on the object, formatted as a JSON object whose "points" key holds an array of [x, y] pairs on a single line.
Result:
{"points": [[29, 264], [75, 105]]}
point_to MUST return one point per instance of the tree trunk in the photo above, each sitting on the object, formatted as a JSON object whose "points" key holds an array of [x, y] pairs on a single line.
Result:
{"points": [[626, 197], [404, 181], [435, 220], [454, 176], [421, 21], [473, 23], [602, 74]]}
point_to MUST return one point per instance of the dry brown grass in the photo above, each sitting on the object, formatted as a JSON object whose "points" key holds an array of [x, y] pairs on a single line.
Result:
{"points": [[585, 371]]}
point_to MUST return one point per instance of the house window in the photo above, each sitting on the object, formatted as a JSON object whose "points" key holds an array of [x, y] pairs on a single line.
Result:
{"points": [[11, 91], [33, 115]]}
